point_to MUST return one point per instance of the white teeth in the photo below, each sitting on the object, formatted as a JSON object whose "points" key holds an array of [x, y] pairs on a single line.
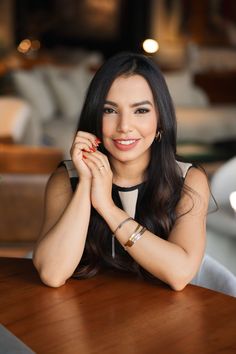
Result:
{"points": [[126, 142]]}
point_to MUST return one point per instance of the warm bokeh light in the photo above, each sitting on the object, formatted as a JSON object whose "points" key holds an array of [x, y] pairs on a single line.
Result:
{"points": [[35, 44], [232, 199], [27, 45], [150, 46], [24, 46]]}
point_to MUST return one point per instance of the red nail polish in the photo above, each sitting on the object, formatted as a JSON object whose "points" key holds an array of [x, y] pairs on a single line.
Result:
{"points": [[84, 157], [98, 141]]}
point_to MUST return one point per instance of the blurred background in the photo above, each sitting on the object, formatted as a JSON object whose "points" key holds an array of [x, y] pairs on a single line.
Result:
{"points": [[49, 52]]}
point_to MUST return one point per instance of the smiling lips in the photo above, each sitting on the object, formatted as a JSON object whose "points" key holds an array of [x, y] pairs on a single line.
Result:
{"points": [[125, 144]]}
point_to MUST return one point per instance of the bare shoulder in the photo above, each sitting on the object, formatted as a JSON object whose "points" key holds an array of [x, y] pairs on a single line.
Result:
{"points": [[196, 192], [59, 182], [189, 230], [197, 179], [58, 195]]}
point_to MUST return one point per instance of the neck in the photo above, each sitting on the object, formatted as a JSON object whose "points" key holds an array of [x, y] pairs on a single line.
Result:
{"points": [[129, 173]]}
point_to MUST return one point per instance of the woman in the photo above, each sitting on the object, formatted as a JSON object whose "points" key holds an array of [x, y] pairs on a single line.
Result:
{"points": [[124, 202]]}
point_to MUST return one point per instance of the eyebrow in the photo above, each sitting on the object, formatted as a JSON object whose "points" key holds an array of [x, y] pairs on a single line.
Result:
{"points": [[132, 105]]}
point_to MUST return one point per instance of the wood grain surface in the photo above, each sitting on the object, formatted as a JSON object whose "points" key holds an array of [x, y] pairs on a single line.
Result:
{"points": [[113, 313]]}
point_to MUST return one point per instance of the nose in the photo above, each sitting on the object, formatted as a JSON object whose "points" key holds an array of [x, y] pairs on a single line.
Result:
{"points": [[124, 123]]}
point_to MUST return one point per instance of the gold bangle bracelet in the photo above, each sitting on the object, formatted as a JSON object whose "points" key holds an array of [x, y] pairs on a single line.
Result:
{"points": [[138, 236], [136, 231], [135, 236]]}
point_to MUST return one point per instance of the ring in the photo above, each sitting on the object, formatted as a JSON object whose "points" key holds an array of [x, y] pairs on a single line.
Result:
{"points": [[101, 167]]}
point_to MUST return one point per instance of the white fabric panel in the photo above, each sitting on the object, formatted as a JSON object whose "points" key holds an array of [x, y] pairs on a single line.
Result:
{"points": [[129, 201]]}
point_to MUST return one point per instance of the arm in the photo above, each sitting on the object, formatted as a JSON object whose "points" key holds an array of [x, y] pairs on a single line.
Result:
{"points": [[66, 218], [176, 260]]}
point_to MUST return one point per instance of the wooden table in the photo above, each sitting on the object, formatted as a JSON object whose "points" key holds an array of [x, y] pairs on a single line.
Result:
{"points": [[113, 314]]}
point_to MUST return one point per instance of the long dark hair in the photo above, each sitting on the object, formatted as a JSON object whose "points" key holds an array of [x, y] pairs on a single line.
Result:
{"points": [[164, 183]]}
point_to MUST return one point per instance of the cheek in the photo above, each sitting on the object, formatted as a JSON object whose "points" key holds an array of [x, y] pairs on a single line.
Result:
{"points": [[149, 129], [107, 133], [107, 127]]}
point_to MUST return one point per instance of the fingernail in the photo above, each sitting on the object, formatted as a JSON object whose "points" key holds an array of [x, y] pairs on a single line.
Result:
{"points": [[92, 149], [98, 141], [84, 157]]}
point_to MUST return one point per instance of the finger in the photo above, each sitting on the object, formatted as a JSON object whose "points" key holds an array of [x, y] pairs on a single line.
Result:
{"points": [[91, 137], [98, 160], [79, 147], [103, 157], [90, 147], [96, 173]]}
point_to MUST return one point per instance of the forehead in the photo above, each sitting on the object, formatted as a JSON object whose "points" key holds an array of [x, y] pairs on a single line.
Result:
{"points": [[135, 86]]}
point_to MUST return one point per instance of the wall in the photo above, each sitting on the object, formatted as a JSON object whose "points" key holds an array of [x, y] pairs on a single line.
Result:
{"points": [[6, 24]]}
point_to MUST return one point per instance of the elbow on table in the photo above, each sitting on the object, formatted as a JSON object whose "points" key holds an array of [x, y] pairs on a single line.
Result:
{"points": [[50, 280], [179, 277], [179, 282], [178, 286]]}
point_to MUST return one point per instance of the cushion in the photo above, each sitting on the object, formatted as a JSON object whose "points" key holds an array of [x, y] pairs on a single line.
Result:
{"points": [[67, 95], [61, 133], [182, 90], [206, 125], [32, 86], [80, 76]]}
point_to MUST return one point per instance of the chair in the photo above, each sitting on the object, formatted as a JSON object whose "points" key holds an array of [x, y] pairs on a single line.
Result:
{"points": [[24, 171], [224, 181], [221, 225], [213, 275]]}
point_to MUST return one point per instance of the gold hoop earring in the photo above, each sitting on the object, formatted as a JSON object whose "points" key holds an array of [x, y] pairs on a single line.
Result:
{"points": [[158, 136]]}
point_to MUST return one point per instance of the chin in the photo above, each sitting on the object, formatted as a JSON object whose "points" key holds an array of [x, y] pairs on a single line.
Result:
{"points": [[128, 156]]}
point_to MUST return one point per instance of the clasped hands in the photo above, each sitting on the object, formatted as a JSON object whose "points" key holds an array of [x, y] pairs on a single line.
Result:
{"points": [[93, 166]]}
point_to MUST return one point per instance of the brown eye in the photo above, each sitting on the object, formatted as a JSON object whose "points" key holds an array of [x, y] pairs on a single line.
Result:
{"points": [[142, 110], [108, 110]]}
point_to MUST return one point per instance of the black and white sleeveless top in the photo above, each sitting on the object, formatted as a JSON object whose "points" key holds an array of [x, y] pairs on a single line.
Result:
{"points": [[128, 195]]}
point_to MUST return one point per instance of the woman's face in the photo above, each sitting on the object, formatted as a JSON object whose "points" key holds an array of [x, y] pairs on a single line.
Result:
{"points": [[130, 119]]}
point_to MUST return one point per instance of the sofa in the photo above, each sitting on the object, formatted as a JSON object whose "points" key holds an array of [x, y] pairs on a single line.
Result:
{"points": [[55, 96], [221, 223], [198, 120], [205, 131], [56, 93]]}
